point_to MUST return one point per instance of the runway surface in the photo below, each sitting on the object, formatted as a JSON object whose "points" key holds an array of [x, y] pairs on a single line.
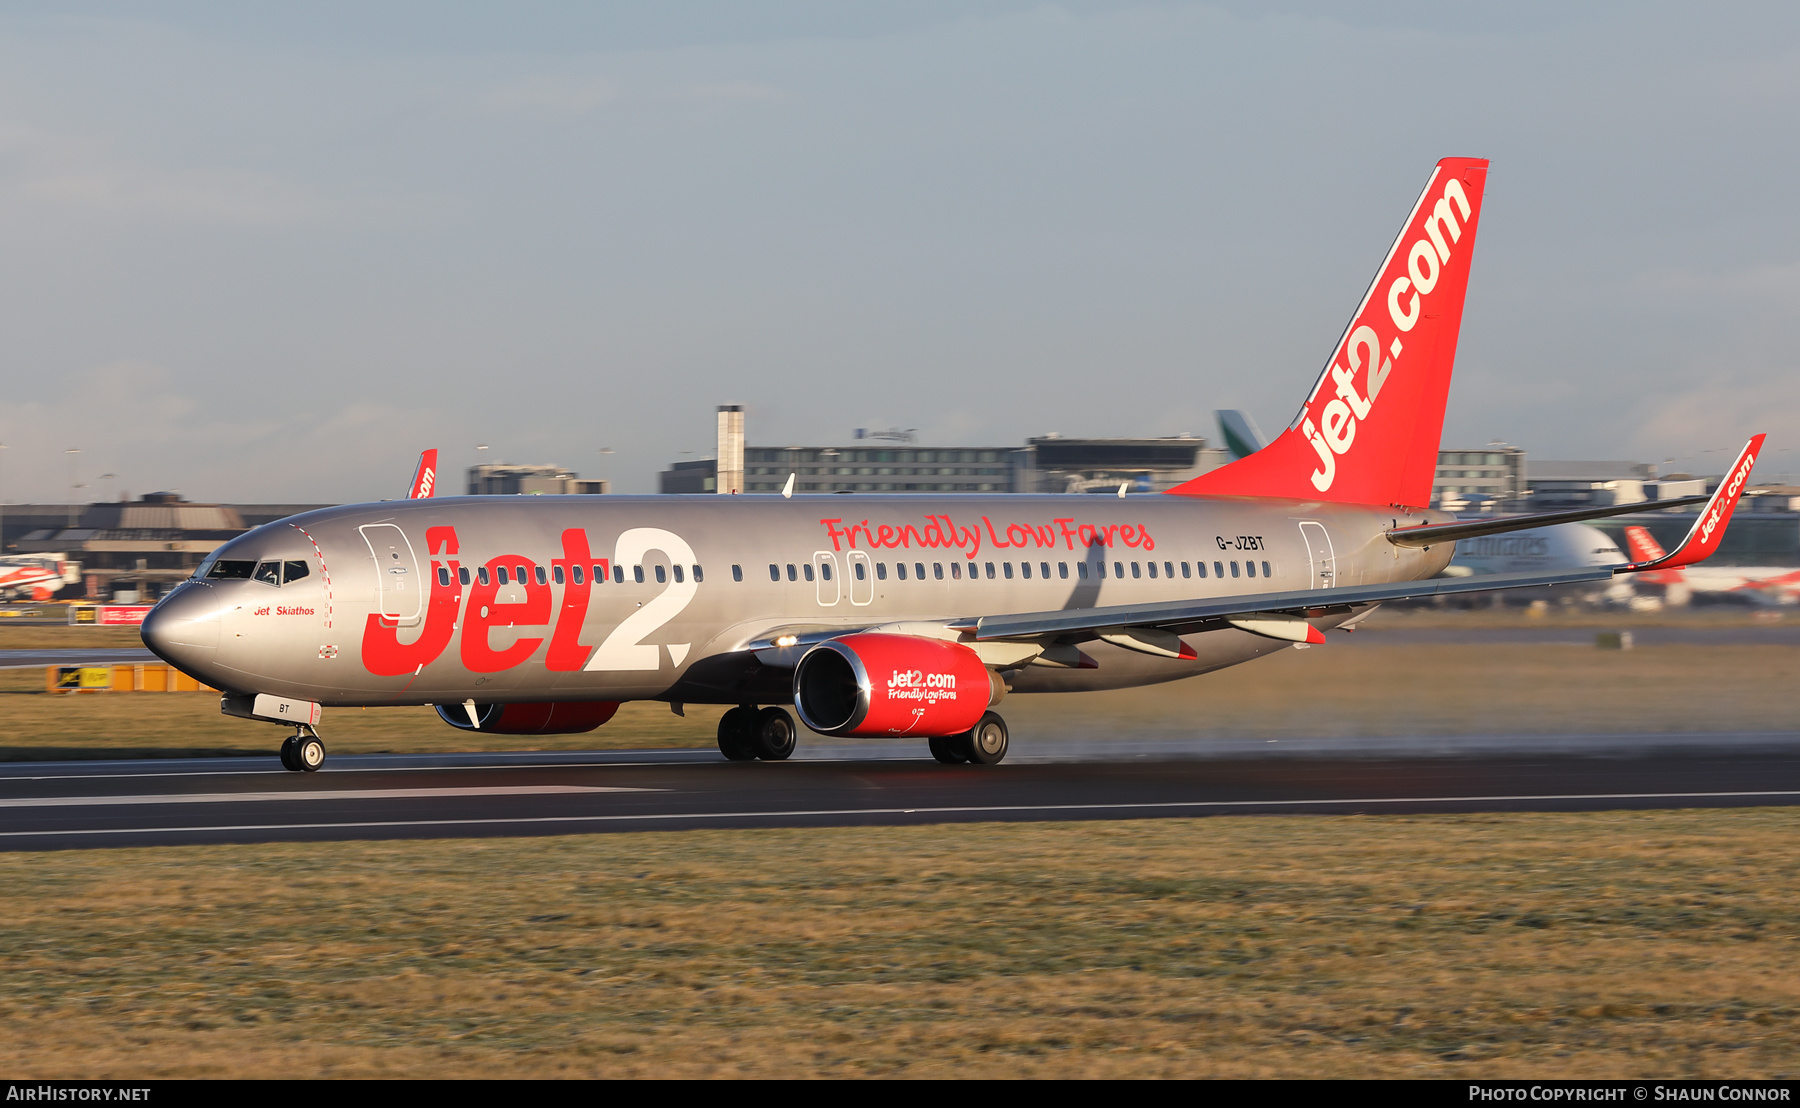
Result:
{"points": [[97, 656], [106, 804]]}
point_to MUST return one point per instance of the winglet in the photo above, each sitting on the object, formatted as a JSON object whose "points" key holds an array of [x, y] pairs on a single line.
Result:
{"points": [[1708, 532], [424, 481]]}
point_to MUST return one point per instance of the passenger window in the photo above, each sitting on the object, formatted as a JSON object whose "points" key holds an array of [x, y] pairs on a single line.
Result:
{"points": [[662, 574], [462, 574], [482, 575], [556, 575], [1200, 568], [1266, 572], [737, 571], [504, 579], [1044, 570], [825, 570], [520, 570], [900, 570], [1062, 570], [990, 571], [937, 570], [269, 573], [1218, 569], [1099, 570], [619, 574], [600, 575], [881, 571], [919, 570], [774, 572], [575, 572], [1152, 570], [1119, 570], [1234, 571], [1025, 570], [676, 570], [1187, 570], [861, 573], [637, 573], [955, 571], [443, 576], [1168, 569], [1006, 570], [293, 571], [807, 570], [698, 576], [1135, 571], [1249, 569]]}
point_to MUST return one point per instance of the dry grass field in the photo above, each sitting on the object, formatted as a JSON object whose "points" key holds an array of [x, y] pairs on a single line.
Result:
{"points": [[1589, 945], [1352, 686]]}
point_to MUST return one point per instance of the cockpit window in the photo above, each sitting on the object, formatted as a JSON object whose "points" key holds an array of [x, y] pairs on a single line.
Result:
{"points": [[231, 571], [269, 573], [293, 571]]}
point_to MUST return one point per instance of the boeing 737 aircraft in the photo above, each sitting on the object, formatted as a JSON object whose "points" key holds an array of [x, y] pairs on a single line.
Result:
{"points": [[876, 615]]}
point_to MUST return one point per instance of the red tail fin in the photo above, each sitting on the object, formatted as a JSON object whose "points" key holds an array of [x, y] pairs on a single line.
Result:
{"points": [[425, 478], [1368, 433], [1643, 548]]}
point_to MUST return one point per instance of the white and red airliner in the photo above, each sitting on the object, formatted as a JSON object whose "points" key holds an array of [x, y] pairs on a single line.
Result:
{"points": [[1755, 584], [38, 576], [876, 615]]}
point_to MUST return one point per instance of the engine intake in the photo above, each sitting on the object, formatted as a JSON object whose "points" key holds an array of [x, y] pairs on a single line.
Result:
{"points": [[878, 684], [563, 717]]}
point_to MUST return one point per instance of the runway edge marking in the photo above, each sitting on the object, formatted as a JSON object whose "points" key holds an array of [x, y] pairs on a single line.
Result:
{"points": [[526, 820]]}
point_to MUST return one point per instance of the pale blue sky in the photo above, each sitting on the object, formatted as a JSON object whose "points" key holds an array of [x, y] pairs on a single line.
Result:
{"points": [[271, 251]]}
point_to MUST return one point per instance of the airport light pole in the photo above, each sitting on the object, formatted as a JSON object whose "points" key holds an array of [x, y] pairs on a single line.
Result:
{"points": [[73, 452], [2, 516]]}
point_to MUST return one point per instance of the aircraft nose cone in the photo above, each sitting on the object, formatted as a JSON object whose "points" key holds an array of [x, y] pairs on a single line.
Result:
{"points": [[183, 630]]}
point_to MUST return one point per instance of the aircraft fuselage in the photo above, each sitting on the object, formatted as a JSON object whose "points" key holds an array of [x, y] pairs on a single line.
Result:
{"points": [[673, 598]]}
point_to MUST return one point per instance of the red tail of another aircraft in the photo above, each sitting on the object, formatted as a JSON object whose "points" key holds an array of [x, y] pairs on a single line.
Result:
{"points": [[1368, 433], [424, 481], [1643, 548]]}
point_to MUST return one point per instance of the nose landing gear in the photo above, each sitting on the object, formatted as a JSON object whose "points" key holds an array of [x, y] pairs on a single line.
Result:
{"points": [[303, 751]]}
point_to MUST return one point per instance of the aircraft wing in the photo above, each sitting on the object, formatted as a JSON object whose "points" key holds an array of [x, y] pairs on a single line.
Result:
{"points": [[1181, 617], [1283, 614], [1431, 534]]}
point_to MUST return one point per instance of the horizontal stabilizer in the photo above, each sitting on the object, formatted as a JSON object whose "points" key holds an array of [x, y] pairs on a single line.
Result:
{"points": [[1431, 534]]}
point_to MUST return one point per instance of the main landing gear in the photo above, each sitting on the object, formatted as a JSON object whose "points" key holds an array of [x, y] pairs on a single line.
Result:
{"points": [[303, 751], [983, 745], [746, 734]]}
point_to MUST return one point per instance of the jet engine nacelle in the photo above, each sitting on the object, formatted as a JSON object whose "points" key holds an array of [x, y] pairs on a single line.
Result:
{"points": [[879, 684], [570, 717]]}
